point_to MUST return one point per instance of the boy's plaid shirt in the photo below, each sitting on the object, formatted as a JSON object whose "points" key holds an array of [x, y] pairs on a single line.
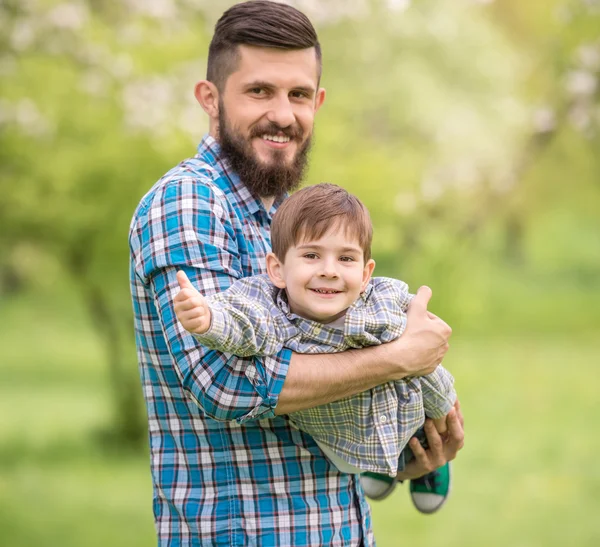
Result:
{"points": [[368, 430], [225, 469]]}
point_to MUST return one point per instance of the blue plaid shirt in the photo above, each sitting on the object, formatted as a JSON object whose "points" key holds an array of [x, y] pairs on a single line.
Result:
{"points": [[225, 470]]}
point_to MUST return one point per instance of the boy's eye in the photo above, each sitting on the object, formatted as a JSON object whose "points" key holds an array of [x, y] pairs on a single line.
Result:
{"points": [[311, 256], [346, 259]]}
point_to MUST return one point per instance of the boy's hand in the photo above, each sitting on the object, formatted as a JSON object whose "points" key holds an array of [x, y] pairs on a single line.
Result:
{"points": [[191, 307]]}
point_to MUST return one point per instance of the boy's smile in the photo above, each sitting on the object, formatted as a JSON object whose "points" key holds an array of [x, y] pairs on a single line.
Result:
{"points": [[322, 278]]}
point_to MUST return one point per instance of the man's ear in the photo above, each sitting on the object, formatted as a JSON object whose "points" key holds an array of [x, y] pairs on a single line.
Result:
{"points": [[319, 98], [207, 95], [275, 271], [367, 272]]}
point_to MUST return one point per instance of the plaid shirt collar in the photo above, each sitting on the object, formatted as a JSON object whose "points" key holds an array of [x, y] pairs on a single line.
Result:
{"points": [[209, 151]]}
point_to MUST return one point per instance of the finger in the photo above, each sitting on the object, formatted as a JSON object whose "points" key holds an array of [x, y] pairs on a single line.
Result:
{"points": [[456, 435], [184, 282], [185, 304], [441, 351], [419, 452], [194, 313], [459, 414], [436, 445], [420, 301]]}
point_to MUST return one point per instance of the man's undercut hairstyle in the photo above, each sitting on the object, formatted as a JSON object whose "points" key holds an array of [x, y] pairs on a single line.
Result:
{"points": [[311, 212], [259, 23]]}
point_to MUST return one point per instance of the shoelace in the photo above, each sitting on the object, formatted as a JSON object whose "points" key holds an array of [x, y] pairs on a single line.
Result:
{"points": [[431, 480]]}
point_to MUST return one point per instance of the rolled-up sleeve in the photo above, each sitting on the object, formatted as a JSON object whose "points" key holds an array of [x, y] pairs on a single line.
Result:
{"points": [[188, 227], [438, 392]]}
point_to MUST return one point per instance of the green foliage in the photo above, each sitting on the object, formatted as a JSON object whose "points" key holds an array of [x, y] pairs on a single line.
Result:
{"points": [[469, 128]]}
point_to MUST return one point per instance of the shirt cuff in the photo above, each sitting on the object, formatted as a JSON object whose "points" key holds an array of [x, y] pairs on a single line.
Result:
{"points": [[267, 376], [216, 335]]}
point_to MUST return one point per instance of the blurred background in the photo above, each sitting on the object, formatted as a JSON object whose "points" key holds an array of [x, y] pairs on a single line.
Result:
{"points": [[471, 131]]}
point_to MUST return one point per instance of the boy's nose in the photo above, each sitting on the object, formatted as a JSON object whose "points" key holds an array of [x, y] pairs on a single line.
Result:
{"points": [[329, 271]]}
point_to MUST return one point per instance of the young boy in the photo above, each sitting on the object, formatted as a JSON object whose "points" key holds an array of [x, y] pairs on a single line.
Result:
{"points": [[319, 297]]}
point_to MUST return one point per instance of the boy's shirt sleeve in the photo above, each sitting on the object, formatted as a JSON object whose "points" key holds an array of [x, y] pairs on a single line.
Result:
{"points": [[243, 321], [438, 391]]}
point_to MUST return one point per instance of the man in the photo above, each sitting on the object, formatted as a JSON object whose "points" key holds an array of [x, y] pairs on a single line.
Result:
{"points": [[227, 466]]}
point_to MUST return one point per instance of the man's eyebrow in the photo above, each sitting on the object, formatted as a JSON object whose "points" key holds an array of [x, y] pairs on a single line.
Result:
{"points": [[310, 90], [258, 83]]}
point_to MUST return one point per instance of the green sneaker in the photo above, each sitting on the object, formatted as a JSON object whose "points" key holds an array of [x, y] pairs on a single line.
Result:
{"points": [[376, 486], [430, 492]]}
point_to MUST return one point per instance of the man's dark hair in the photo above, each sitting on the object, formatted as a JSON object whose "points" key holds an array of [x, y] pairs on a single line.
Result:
{"points": [[260, 23]]}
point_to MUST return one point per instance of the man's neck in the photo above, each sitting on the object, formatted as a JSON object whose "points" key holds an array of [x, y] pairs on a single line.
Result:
{"points": [[267, 202]]}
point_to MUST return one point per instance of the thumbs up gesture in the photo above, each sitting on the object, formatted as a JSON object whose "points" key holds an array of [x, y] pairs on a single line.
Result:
{"points": [[191, 307]]}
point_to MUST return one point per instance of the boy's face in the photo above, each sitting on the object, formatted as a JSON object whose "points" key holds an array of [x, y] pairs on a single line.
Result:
{"points": [[322, 278]]}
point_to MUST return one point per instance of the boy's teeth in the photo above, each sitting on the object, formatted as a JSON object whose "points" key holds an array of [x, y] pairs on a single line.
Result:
{"points": [[276, 138]]}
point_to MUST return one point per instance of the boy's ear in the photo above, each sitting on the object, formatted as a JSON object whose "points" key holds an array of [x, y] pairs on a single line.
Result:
{"points": [[274, 271], [367, 272]]}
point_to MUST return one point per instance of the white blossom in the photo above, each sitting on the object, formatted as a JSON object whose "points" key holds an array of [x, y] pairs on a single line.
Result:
{"points": [[544, 120], [70, 16], [581, 83]]}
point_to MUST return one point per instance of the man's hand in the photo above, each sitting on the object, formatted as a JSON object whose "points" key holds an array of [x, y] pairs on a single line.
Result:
{"points": [[440, 450], [424, 343], [191, 307]]}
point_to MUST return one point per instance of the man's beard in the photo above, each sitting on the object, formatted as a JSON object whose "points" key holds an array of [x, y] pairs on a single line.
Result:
{"points": [[263, 180]]}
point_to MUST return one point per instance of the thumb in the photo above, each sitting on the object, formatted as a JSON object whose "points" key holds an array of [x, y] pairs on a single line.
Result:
{"points": [[421, 299], [184, 282]]}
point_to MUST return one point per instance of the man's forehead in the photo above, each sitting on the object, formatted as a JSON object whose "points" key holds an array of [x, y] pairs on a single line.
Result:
{"points": [[299, 67]]}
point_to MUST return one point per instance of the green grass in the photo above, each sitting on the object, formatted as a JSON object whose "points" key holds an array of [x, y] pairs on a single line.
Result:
{"points": [[527, 475]]}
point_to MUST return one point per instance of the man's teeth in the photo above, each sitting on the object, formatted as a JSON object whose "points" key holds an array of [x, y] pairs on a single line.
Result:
{"points": [[276, 138]]}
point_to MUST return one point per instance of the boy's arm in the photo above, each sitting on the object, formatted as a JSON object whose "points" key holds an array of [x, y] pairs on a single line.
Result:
{"points": [[439, 395], [237, 320]]}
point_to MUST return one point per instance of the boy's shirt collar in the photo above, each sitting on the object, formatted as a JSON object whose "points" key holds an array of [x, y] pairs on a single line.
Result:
{"points": [[282, 303]]}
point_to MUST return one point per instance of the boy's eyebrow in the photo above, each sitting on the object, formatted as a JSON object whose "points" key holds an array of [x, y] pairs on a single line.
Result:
{"points": [[346, 249]]}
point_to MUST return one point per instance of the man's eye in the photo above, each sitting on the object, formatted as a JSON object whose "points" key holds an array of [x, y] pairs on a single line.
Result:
{"points": [[299, 94], [256, 90]]}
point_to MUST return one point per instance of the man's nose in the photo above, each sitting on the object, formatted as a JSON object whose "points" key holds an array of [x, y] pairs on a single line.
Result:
{"points": [[281, 111]]}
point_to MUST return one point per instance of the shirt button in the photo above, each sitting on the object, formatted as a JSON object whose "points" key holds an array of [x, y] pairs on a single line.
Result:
{"points": [[317, 329], [383, 418]]}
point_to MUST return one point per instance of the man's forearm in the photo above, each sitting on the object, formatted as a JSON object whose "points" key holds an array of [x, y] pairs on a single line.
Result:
{"points": [[317, 379]]}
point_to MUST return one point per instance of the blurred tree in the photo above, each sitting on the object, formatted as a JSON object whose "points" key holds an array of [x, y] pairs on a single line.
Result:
{"points": [[458, 122]]}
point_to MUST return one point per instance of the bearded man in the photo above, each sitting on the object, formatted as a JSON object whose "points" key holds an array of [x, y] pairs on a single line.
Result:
{"points": [[228, 468]]}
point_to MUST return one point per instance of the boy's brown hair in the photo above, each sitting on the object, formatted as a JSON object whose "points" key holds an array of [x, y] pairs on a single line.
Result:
{"points": [[311, 212]]}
